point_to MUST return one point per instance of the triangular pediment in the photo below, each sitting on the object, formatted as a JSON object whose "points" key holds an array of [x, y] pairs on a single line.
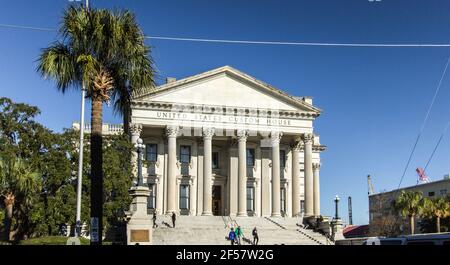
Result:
{"points": [[226, 87]]}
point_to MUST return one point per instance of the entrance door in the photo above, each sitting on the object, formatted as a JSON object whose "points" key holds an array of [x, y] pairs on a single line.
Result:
{"points": [[216, 200]]}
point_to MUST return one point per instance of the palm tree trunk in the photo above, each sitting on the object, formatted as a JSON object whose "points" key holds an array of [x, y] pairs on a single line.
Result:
{"points": [[97, 168], [411, 223], [438, 224], [126, 121], [9, 203]]}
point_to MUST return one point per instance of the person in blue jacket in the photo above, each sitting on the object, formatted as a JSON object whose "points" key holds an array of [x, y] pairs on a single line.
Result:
{"points": [[232, 236]]}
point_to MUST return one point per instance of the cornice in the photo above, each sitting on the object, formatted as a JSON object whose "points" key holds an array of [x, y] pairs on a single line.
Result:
{"points": [[221, 110]]}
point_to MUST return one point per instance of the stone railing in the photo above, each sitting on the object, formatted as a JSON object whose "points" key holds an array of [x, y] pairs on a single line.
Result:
{"points": [[107, 128]]}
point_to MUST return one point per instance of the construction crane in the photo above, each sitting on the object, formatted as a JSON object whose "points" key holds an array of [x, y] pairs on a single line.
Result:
{"points": [[422, 177], [370, 185]]}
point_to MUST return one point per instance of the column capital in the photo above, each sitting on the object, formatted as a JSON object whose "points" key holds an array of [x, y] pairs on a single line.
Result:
{"points": [[316, 165], [135, 129], [172, 131], [307, 138], [275, 137], [297, 145], [242, 135], [208, 133]]}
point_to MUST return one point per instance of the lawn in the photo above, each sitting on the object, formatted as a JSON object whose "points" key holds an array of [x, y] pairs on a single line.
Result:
{"points": [[51, 240]]}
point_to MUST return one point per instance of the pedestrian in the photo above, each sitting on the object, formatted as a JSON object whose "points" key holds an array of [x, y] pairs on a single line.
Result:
{"points": [[154, 220], [232, 236], [238, 234], [174, 217], [255, 236]]}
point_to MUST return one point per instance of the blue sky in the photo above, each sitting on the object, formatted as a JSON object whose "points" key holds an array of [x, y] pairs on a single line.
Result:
{"points": [[374, 99]]}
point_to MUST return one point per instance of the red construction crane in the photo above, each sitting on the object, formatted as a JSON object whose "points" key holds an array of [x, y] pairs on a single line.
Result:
{"points": [[422, 177]]}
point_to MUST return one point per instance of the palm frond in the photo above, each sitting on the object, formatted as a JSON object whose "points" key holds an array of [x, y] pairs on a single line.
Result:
{"points": [[57, 62]]}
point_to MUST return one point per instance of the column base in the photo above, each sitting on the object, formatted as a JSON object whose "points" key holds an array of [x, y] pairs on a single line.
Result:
{"points": [[207, 214], [275, 215], [242, 215]]}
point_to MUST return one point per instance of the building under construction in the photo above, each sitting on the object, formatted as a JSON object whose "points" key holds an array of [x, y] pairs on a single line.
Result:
{"points": [[383, 218]]}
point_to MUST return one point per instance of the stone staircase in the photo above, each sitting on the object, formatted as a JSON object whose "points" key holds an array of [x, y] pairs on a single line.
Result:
{"points": [[213, 230]]}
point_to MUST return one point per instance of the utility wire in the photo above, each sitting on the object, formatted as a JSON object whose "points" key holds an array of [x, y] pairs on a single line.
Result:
{"points": [[424, 122], [329, 44], [26, 27], [301, 43], [437, 144]]}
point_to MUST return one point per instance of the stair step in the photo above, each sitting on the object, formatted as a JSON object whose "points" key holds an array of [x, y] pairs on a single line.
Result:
{"points": [[212, 230]]}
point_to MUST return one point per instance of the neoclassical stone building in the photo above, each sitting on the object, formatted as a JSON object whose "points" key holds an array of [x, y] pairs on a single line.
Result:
{"points": [[225, 143]]}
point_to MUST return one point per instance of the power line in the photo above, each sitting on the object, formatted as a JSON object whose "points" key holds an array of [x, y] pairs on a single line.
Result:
{"points": [[299, 43], [437, 144], [26, 27], [424, 122], [329, 44]]}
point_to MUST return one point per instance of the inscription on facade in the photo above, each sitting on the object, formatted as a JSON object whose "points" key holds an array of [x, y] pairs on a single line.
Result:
{"points": [[183, 116]]}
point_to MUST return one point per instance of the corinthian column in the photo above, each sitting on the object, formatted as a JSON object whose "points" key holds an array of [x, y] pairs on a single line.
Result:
{"points": [[316, 169], [309, 199], [275, 138], [296, 178], [242, 173], [135, 130], [171, 132], [207, 170]]}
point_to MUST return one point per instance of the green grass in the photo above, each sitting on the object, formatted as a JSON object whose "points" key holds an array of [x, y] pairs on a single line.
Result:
{"points": [[51, 240]]}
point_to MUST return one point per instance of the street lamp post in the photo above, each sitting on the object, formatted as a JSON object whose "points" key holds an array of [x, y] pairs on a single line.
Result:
{"points": [[140, 148], [80, 159], [336, 201]]}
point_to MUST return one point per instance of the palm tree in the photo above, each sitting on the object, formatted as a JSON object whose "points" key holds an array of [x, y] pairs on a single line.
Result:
{"points": [[105, 53], [438, 208], [17, 180], [409, 204]]}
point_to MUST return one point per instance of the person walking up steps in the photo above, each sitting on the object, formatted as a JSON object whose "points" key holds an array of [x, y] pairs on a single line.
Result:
{"points": [[232, 236], [174, 218], [238, 234], [255, 236]]}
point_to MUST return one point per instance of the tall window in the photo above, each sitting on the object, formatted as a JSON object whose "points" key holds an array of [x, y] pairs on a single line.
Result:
{"points": [[184, 197], [152, 157], [250, 162], [152, 152], [185, 154], [215, 159], [250, 157], [283, 201], [151, 201], [282, 158], [282, 162], [185, 159], [250, 199]]}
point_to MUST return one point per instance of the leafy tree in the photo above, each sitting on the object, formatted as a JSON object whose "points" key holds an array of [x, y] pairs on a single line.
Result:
{"points": [[428, 225], [22, 141], [437, 209], [118, 179], [105, 53], [409, 204], [18, 184], [50, 160], [386, 225]]}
